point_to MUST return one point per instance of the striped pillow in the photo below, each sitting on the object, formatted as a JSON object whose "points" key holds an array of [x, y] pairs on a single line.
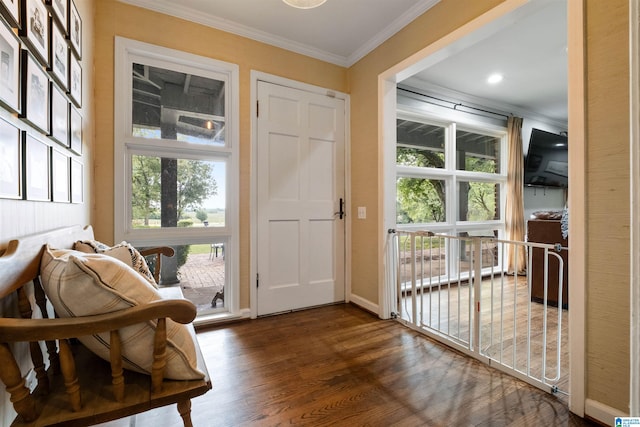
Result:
{"points": [[123, 251], [81, 284]]}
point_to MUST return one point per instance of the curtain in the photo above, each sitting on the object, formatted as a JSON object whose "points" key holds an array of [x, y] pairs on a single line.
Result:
{"points": [[514, 215]]}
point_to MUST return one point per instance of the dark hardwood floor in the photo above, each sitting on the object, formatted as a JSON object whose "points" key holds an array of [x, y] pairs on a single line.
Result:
{"points": [[339, 365]]}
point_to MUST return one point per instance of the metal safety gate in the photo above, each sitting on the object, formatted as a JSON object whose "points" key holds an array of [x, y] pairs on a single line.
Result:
{"points": [[456, 290]]}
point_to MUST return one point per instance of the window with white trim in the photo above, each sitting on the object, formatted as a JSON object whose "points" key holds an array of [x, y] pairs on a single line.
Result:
{"points": [[450, 176], [176, 167]]}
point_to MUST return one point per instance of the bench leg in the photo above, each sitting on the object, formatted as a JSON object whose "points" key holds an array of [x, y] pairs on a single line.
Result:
{"points": [[184, 409], [12, 379]]}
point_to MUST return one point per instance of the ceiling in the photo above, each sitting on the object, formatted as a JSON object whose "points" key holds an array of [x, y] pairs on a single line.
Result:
{"points": [[528, 46]]}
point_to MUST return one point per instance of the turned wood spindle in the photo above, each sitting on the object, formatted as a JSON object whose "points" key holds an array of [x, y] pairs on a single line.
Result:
{"points": [[115, 353], [159, 356]]}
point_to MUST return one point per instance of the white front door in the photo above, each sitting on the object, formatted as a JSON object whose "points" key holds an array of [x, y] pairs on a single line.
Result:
{"points": [[300, 159]]}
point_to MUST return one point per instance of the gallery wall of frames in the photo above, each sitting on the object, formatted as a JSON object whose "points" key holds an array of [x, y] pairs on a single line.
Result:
{"points": [[41, 85]]}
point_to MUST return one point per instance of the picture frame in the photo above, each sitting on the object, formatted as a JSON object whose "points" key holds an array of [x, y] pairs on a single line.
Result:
{"points": [[10, 10], [60, 12], [77, 181], [9, 69], [75, 130], [74, 29], [59, 116], [36, 168], [10, 161], [35, 29], [35, 93], [60, 177], [58, 56], [75, 81]]}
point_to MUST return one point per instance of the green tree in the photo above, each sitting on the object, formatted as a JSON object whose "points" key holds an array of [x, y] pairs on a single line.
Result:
{"points": [[482, 195], [420, 200], [202, 215], [194, 185], [145, 197]]}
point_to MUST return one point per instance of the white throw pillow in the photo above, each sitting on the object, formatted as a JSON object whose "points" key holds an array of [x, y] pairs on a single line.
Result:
{"points": [[81, 284], [123, 251]]}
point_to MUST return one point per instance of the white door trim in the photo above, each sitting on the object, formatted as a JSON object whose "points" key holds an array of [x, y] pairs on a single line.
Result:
{"points": [[253, 213], [387, 82], [634, 74]]}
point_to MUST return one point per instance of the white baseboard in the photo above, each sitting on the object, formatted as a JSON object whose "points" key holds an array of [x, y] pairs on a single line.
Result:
{"points": [[601, 412], [364, 303], [244, 313]]}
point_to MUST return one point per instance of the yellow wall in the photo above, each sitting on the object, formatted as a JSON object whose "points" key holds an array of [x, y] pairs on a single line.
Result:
{"points": [[117, 19], [608, 233], [439, 21]]}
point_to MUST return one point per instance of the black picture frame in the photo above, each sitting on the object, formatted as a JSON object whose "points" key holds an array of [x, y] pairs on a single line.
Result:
{"points": [[35, 29], [10, 161], [75, 130], [59, 116], [9, 69], [36, 168], [77, 181], [35, 93], [60, 177], [58, 55], [60, 12], [75, 81], [10, 11], [74, 29]]}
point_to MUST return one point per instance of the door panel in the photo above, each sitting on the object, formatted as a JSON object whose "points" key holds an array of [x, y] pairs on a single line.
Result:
{"points": [[300, 159]]}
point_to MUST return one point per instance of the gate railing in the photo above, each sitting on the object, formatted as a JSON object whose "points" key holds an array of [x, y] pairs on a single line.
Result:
{"points": [[456, 290]]}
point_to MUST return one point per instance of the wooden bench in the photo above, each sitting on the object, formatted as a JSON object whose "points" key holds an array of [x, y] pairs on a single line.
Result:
{"points": [[78, 388]]}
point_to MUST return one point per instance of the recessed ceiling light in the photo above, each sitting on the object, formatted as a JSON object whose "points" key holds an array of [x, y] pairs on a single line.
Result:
{"points": [[495, 78], [304, 4]]}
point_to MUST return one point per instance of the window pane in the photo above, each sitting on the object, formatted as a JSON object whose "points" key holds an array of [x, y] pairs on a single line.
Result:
{"points": [[177, 192], [430, 258], [200, 270], [177, 106], [478, 201], [477, 153], [420, 144], [420, 200], [489, 248]]}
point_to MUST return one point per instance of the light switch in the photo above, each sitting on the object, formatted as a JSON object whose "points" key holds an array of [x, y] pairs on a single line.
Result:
{"points": [[362, 212]]}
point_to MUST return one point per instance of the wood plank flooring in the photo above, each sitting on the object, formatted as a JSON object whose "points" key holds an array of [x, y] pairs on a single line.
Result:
{"points": [[339, 365], [446, 309]]}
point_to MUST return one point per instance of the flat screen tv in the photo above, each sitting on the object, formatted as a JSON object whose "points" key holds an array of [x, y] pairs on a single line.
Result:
{"points": [[546, 164]]}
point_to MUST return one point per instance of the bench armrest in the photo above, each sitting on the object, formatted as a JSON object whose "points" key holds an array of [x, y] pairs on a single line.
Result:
{"points": [[157, 252], [21, 330]]}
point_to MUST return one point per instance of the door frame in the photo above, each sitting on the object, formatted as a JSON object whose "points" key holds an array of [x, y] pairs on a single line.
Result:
{"points": [[253, 211], [387, 87], [634, 150]]}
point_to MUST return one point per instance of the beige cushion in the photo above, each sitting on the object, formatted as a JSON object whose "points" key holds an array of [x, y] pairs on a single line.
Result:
{"points": [[123, 251], [81, 284]]}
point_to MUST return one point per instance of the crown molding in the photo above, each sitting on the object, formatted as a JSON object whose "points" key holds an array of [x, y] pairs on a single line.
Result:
{"points": [[237, 29], [233, 27], [391, 29]]}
